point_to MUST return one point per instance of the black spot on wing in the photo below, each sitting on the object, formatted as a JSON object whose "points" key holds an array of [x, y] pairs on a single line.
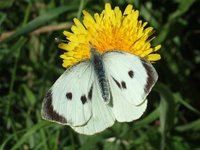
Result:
{"points": [[131, 73], [123, 84], [69, 96], [152, 76], [83, 99], [48, 112], [90, 93], [118, 84]]}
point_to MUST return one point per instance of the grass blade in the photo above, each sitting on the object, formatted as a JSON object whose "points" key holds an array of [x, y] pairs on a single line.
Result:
{"points": [[40, 21]]}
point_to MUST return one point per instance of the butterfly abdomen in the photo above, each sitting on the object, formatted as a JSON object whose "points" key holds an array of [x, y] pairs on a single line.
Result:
{"points": [[100, 72]]}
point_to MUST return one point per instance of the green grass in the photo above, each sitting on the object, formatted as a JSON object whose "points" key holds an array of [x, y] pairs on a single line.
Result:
{"points": [[30, 64]]}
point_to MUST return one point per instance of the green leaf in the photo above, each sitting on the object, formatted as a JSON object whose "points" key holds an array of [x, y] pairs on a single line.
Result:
{"points": [[48, 16], [2, 19], [6, 4], [167, 111], [28, 134], [112, 145], [183, 7], [3, 144], [195, 126], [183, 102], [167, 107], [29, 95], [89, 142], [148, 119]]}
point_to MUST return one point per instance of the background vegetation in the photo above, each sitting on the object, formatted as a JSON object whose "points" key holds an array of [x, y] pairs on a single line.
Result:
{"points": [[30, 63]]}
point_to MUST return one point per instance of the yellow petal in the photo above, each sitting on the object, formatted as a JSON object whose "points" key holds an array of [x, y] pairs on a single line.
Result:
{"points": [[108, 30], [153, 57]]}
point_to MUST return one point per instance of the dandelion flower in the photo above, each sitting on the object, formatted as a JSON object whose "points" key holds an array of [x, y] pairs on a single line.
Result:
{"points": [[112, 29]]}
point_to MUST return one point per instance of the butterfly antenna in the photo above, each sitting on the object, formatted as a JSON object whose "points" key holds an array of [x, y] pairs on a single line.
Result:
{"points": [[59, 40]]}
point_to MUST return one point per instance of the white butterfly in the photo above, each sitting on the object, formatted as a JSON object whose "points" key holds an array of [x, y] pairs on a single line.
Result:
{"points": [[93, 93]]}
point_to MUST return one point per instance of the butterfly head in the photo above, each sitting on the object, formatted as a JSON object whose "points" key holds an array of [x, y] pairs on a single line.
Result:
{"points": [[93, 50], [94, 54]]}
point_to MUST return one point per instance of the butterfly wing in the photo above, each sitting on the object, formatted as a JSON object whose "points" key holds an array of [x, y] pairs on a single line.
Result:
{"points": [[123, 110], [69, 99], [133, 75], [131, 78], [75, 99], [102, 115]]}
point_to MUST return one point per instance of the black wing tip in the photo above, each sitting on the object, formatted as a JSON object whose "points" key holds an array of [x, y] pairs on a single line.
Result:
{"points": [[152, 75], [48, 113]]}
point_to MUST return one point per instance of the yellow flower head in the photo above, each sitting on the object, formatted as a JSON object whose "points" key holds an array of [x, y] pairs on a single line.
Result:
{"points": [[110, 30]]}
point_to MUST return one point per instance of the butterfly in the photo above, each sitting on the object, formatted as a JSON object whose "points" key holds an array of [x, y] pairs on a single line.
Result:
{"points": [[92, 94]]}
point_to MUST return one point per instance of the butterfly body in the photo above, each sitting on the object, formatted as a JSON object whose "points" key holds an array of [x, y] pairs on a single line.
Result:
{"points": [[99, 69], [81, 96]]}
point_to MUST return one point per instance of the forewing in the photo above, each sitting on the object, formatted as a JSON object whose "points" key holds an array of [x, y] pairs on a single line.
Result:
{"points": [[68, 101], [102, 115], [133, 75]]}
